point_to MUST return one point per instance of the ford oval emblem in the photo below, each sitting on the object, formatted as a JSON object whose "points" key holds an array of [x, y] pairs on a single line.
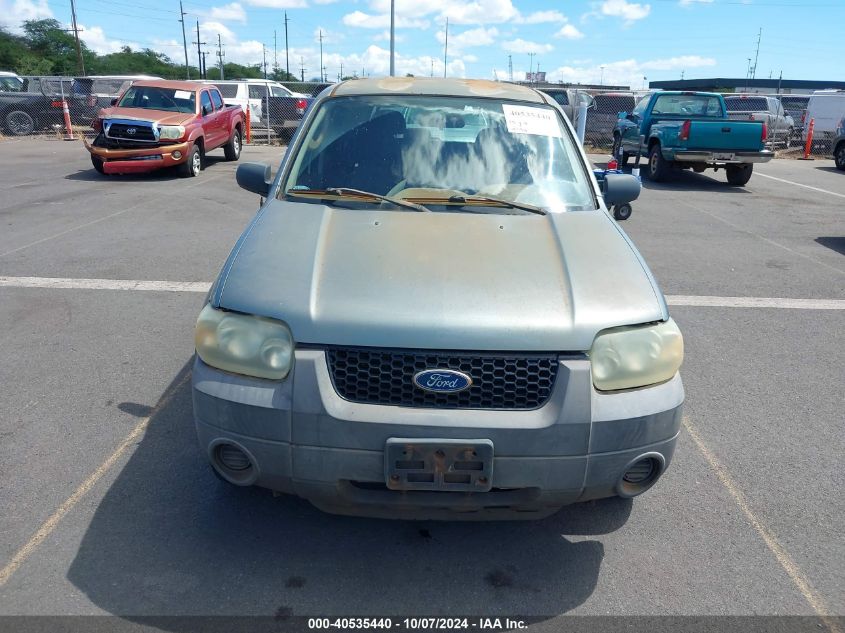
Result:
{"points": [[442, 380]]}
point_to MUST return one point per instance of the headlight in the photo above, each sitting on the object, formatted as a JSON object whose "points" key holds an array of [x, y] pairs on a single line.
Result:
{"points": [[636, 356], [171, 132], [243, 344]]}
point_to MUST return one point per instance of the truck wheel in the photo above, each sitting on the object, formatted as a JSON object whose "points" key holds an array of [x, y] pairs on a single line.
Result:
{"points": [[839, 156], [232, 149], [739, 175], [19, 123], [658, 167], [622, 211], [193, 166], [98, 164]]}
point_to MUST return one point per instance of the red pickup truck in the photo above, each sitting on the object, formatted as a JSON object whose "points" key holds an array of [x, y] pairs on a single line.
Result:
{"points": [[155, 124]]}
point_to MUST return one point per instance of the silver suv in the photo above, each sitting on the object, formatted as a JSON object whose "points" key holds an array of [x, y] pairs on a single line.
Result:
{"points": [[429, 325]]}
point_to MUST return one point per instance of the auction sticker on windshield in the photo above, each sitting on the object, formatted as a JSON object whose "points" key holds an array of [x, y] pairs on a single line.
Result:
{"points": [[528, 120], [181, 94]]}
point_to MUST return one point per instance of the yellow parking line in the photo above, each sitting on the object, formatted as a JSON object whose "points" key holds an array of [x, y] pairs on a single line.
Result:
{"points": [[789, 565], [51, 523]]}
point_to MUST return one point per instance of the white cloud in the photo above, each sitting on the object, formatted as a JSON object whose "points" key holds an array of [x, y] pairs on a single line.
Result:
{"points": [[628, 11], [233, 12], [626, 72], [95, 38], [469, 59], [279, 4], [569, 32], [325, 1], [480, 12], [209, 31], [385, 37], [688, 3], [473, 37], [523, 46], [12, 14], [541, 17], [381, 21], [329, 37]]}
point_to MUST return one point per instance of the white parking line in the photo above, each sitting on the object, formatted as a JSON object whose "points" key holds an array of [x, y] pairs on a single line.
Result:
{"points": [[697, 301], [798, 184]]}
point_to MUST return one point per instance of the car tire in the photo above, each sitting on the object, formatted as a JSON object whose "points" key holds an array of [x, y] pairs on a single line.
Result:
{"points": [[658, 167], [622, 211], [232, 149], [839, 156], [19, 123], [739, 175], [193, 165], [617, 152], [98, 164]]}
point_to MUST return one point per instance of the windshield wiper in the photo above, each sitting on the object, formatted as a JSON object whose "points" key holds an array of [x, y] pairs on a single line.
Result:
{"points": [[502, 201], [346, 192]]}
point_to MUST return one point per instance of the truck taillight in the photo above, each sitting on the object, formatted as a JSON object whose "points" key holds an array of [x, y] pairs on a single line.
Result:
{"points": [[684, 134], [301, 104], [765, 132]]}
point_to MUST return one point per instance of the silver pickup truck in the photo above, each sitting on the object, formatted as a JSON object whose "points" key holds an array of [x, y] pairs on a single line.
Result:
{"points": [[428, 325], [781, 127]]}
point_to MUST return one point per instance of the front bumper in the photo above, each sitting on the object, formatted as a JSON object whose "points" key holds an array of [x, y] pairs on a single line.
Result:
{"points": [[141, 160], [302, 438], [719, 158]]}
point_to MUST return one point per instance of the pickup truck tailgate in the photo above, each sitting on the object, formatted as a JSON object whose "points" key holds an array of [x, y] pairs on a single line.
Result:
{"points": [[726, 134]]}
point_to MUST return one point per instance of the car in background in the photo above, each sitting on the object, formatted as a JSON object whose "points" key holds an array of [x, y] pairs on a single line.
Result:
{"points": [[690, 130], [415, 327], [570, 100], [839, 146], [270, 103], [10, 82], [94, 92], [55, 86], [601, 118], [826, 109], [28, 105], [795, 106], [157, 124], [780, 126]]}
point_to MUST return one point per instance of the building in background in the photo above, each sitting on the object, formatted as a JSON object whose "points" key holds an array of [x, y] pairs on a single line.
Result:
{"points": [[759, 86]]}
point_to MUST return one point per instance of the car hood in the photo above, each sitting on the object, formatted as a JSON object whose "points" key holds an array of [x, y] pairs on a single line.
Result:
{"points": [[438, 280], [146, 114]]}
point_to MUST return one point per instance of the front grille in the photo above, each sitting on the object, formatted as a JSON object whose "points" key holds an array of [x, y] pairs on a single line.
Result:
{"points": [[121, 131], [499, 380]]}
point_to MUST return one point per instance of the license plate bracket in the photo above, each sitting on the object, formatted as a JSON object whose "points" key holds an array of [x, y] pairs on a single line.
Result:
{"points": [[724, 155], [450, 465]]}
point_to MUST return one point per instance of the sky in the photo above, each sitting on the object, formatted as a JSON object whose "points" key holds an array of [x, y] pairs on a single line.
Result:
{"points": [[609, 42]]}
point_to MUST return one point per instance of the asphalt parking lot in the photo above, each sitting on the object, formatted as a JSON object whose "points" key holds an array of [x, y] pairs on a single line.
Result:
{"points": [[108, 506]]}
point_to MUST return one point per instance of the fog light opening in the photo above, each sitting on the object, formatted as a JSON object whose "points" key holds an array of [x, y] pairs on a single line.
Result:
{"points": [[177, 154], [641, 474], [233, 463]]}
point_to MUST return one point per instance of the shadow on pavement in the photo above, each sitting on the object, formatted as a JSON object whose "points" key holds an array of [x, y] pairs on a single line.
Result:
{"points": [[169, 538], [170, 173], [833, 243], [683, 180]]}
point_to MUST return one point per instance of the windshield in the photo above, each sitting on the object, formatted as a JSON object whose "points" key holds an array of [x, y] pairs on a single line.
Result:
{"points": [[683, 104], [10, 84], [433, 149], [167, 99]]}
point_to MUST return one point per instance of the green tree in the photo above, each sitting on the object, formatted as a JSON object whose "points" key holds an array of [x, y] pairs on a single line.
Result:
{"points": [[47, 40]]}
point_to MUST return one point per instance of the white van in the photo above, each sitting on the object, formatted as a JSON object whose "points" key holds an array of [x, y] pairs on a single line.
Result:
{"points": [[826, 108], [250, 92]]}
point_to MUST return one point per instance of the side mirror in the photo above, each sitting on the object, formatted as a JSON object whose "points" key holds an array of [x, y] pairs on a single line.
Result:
{"points": [[621, 115], [255, 177], [113, 101], [620, 189], [206, 110]]}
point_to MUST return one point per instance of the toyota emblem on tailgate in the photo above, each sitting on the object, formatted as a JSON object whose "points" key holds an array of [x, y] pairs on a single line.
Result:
{"points": [[442, 380]]}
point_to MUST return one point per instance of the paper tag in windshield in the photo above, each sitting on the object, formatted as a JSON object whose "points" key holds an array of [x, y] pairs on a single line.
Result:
{"points": [[181, 94], [528, 120]]}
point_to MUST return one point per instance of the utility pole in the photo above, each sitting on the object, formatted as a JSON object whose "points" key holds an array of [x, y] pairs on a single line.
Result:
{"points": [[182, 15], [264, 51], [510, 68], [432, 66], [530, 76], [204, 65], [757, 54], [601, 81], [321, 55], [392, 38], [779, 80], [199, 44], [287, 61], [446, 49], [275, 55], [220, 54], [76, 29], [341, 71], [302, 69]]}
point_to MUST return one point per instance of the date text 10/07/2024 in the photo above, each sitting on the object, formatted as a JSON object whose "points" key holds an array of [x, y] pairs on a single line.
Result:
{"points": [[417, 624]]}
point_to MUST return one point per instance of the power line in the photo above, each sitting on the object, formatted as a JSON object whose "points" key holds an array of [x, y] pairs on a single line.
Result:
{"points": [[220, 54], [199, 44], [184, 40], [79, 59]]}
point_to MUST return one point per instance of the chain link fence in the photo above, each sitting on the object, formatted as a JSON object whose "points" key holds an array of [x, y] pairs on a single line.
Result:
{"points": [[35, 109]]}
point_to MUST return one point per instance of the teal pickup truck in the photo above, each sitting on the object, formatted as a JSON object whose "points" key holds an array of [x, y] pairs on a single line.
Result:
{"points": [[690, 130]]}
